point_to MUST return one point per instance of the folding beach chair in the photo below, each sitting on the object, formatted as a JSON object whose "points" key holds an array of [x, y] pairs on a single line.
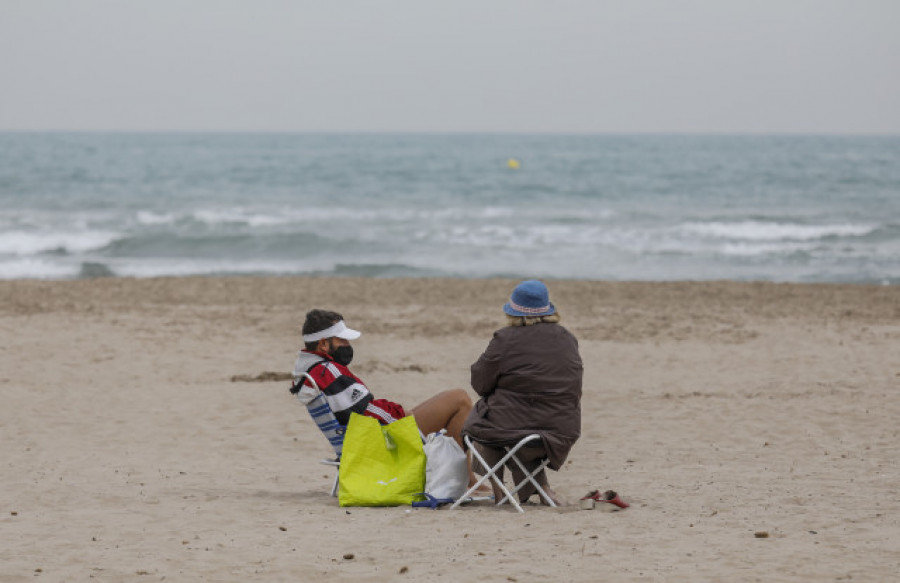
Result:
{"points": [[321, 412], [492, 472]]}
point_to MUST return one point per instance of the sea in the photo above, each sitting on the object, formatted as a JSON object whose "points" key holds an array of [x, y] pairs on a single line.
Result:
{"points": [[591, 207]]}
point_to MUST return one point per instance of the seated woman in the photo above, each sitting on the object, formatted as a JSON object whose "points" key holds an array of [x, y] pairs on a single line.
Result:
{"points": [[529, 379]]}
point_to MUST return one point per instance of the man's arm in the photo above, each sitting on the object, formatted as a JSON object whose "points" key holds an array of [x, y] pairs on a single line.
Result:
{"points": [[344, 392]]}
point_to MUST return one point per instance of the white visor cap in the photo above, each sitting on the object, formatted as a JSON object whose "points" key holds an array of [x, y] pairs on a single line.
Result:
{"points": [[339, 330]]}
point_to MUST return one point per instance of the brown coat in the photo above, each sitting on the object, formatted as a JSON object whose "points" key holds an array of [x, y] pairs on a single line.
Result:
{"points": [[529, 379]]}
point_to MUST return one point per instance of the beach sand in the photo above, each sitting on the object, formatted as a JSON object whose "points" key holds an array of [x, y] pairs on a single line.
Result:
{"points": [[753, 427]]}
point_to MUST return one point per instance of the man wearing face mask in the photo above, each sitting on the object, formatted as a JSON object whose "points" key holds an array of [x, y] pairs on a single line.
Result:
{"points": [[326, 355]]}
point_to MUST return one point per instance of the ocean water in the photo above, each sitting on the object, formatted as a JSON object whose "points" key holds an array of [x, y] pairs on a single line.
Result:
{"points": [[774, 208]]}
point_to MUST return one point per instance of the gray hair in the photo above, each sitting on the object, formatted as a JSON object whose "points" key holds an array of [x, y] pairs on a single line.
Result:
{"points": [[532, 320]]}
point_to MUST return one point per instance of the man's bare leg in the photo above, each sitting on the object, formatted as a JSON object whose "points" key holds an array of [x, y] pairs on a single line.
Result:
{"points": [[447, 410]]}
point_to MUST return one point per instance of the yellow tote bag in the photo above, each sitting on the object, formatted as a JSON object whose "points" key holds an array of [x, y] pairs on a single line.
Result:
{"points": [[381, 465]]}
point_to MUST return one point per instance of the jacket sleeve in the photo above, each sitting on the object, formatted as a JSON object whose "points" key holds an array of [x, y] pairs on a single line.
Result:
{"points": [[486, 370]]}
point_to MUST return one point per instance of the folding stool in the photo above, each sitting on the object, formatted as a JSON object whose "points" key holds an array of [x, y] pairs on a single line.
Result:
{"points": [[321, 412], [510, 456]]}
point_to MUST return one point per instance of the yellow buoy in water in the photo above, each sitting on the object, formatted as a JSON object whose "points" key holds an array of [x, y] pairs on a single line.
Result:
{"points": [[513, 163]]}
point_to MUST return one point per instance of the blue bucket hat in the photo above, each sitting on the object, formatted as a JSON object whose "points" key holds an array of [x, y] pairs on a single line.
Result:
{"points": [[530, 298]]}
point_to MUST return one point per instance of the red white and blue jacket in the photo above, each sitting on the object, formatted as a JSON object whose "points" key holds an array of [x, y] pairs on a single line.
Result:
{"points": [[343, 390]]}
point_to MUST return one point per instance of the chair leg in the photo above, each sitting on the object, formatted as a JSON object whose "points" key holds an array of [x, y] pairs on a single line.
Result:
{"points": [[336, 464], [490, 474], [530, 477], [334, 486]]}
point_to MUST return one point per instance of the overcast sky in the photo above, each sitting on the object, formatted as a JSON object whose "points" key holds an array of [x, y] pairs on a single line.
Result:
{"points": [[797, 66]]}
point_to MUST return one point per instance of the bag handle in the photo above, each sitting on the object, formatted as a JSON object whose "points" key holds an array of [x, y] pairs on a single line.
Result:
{"points": [[389, 442]]}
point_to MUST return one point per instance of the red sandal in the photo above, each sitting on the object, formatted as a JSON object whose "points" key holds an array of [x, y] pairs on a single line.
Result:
{"points": [[608, 496]]}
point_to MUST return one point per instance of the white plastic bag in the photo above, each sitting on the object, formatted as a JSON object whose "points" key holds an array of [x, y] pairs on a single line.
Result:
{"points": [[446, 467]]}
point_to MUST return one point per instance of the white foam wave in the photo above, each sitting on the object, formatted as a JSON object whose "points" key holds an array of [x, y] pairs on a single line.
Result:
{"points": [[151, 218], [290, 215], [188, 267], [586, 239], [35, 268], [23, 243], [381, 215], [771, 231], [241, 216], [675, 241], [757, 249]]}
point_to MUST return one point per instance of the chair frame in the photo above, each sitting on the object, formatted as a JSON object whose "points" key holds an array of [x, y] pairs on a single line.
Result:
{"points": [[336, 462], [491, 473]]}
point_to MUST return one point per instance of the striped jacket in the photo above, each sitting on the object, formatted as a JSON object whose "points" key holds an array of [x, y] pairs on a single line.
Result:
{"points": [[344, 391]]}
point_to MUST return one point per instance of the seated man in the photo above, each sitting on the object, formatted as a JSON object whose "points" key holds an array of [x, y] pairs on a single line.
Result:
{"points": [[326, 355], [529, 379]]}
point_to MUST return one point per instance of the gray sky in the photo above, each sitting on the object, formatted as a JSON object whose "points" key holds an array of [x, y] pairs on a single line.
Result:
{"points": [[818, 66]]}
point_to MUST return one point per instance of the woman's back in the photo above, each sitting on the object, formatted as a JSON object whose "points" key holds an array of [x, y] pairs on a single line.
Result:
{"points": [[529, 378]]}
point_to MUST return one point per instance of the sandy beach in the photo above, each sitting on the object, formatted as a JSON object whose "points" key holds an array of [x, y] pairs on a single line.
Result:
{"points": [[752, 427]]}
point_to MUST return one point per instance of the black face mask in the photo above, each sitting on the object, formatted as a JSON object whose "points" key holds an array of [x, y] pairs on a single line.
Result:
{"points": [[342, 355]]}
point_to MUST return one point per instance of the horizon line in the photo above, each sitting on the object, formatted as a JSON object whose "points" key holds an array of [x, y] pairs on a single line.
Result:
{"points": [[648, 133]]}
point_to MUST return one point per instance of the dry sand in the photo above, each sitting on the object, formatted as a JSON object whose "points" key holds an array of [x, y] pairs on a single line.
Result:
{"points": [[721, 411]]}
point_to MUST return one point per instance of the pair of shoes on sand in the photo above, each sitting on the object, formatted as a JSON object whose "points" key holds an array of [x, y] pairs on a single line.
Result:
{"points": [[608, 497]]}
